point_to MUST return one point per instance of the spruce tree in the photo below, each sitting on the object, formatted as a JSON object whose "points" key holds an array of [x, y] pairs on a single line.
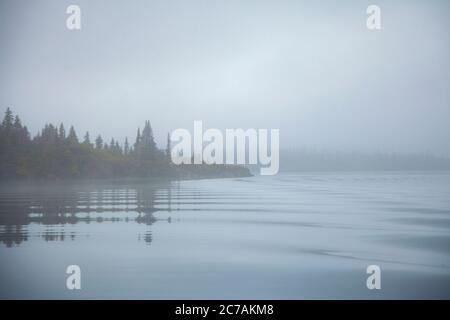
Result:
{"points": [[126, 147], [87, 140], [17, 123], [147, 142], [8, 120], [72, 137], [99, 142], [62, 132], [138, 140]]}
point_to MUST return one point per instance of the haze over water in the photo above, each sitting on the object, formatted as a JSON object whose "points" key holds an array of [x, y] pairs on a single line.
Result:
{"points": [[343, 97], [290, 236]]}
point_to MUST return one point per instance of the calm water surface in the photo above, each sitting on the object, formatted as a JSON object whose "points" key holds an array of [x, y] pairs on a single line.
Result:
{"points": [[291, 236]]}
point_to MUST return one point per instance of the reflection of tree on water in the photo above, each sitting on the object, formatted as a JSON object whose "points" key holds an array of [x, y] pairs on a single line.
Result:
{"points": [[145, 206], [53, 208], [13, 234]]}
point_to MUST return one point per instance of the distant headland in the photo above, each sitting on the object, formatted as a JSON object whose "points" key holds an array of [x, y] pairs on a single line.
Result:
{"points": [[55, 153]]}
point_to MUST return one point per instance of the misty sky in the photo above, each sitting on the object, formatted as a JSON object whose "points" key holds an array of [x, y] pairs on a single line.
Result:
{"points": [[310, 68]]}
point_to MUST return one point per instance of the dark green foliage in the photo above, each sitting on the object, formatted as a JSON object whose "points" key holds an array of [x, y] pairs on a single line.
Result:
{"points": [[99, 143], [14, 145], [52, 154], [126, 147], [87, 140]]}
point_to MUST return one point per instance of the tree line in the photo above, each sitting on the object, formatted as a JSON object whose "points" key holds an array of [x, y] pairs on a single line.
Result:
{"points": [[56, 153]]}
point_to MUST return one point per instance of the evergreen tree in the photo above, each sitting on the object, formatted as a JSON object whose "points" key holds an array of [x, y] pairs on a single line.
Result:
{"points": [[117, 148], [146, 148], [20, 133], [62, 132], [72, 137], [17, 124], [126, 147], [99, 142], [138, 139], [147, 137], [49, 134], [87, 140], [8, 120]]}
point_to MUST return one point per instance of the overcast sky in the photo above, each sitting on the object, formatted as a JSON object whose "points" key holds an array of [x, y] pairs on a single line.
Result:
{"points": [[309, 68]]}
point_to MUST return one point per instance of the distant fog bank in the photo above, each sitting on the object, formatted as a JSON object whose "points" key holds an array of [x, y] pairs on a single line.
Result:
{"points": [[302, 160]]}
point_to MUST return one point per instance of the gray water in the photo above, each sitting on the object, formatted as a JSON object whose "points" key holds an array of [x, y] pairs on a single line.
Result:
{"points": [[290, 236]]}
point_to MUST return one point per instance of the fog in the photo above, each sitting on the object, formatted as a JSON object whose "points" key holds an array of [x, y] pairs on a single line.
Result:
{"points": [[310, 68]]}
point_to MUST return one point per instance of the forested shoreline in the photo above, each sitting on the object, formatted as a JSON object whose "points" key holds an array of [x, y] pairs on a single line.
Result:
{"points": [[55, 153]]}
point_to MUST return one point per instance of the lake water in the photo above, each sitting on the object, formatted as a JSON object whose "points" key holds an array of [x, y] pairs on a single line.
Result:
{"points": [[290, 236]]}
